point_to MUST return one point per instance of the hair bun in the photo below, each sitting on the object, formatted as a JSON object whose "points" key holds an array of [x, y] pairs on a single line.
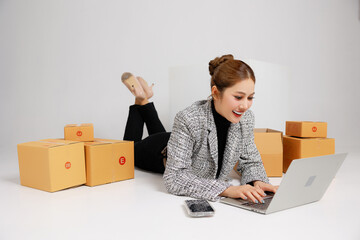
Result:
{"points": [[213, 64]]}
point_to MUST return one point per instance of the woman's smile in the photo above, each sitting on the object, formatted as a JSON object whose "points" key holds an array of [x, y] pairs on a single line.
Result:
{"points": [[234, 101], [237, 114]]}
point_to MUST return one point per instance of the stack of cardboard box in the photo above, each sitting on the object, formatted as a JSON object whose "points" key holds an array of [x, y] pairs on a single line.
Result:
{"points": [[56, 164], [302, 140], [306, 139]]}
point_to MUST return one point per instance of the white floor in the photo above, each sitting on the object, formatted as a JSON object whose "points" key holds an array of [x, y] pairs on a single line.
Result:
{"points": [[142, 209]]}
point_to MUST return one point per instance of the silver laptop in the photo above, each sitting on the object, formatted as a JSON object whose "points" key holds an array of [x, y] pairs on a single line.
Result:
{"points": [[305, 181]]}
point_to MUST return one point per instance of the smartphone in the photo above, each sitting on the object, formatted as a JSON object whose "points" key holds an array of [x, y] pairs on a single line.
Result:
{"points": [[199, 208]]}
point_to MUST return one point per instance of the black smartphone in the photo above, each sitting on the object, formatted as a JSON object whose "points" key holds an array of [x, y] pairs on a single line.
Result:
{"points": [[199, 208]]}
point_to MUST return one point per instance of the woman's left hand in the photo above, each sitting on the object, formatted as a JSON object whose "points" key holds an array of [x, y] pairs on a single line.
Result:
{"points": [[265, 186]]}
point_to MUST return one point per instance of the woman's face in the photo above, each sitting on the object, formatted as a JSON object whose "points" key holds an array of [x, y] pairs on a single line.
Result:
{"points": [[235, 100]]}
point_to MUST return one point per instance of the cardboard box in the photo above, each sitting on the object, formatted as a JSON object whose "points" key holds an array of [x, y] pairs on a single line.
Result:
{"points": [[83, 132], [51, 164], [270, 146], [296, 148], [306, 129], [108, 161], [269, 143]]}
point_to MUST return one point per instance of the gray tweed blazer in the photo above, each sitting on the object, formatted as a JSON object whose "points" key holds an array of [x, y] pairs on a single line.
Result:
{"points": [[192, 154]]}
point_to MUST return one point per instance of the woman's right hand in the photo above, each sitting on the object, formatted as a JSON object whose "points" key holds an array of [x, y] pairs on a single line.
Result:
{"points": [[246, 192]]}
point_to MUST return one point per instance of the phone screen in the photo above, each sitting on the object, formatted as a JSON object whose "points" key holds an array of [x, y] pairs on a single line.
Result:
{"points": [[199, 208]]}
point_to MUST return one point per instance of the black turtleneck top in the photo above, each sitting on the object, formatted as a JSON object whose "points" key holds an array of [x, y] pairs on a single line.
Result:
{"points": [[222, 127]]}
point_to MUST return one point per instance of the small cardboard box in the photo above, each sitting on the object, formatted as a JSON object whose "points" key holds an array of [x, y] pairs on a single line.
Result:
{"points": [[51, 164], [306, 129], [83, 132], [296, 148], [108, 161], [270, 146]]}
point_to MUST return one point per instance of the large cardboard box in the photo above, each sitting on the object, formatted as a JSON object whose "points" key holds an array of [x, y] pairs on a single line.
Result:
{"points": [[83, 132], [296, 148], [51, 164], [270, 146], [108, 161], [306, 129]]}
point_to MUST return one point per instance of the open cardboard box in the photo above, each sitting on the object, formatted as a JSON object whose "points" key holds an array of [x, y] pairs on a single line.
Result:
{"points": [[269, 144]]}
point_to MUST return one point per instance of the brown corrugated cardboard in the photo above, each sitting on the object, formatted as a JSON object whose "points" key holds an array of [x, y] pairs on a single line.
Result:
{"points": [[296, 148], [83, 132], [108, 161], [306, 129], [269, 144], [51, 164]]}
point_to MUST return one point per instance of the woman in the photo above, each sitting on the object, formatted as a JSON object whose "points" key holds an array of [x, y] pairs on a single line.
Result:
{"points": [[207, 140]]}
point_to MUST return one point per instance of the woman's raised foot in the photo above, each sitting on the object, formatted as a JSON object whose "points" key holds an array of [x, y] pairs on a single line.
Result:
{"points": [[133, 84], [147, 89]]}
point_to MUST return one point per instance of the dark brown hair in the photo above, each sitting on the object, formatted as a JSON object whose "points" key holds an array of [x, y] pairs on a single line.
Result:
{"points": [[226, 71]]}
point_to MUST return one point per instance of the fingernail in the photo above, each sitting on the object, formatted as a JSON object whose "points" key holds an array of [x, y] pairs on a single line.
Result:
{"points": [[245, 198], [265, 194], [256, 201], [262, 201]]}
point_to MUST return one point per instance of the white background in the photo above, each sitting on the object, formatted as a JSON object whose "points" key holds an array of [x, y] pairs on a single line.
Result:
{"points": [[61, 61]]}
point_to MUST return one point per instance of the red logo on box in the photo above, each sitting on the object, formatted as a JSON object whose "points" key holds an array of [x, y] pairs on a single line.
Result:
{"points": [[122, 160], [68, 165], [314, 129], [79, 133]]}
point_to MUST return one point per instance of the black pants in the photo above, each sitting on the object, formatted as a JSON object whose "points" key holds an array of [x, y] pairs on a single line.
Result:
{"points": [[148, 154]]}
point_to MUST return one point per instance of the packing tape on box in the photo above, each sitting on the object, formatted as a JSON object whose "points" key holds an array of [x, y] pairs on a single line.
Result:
{"points": [[59, 143], [103, 141]]}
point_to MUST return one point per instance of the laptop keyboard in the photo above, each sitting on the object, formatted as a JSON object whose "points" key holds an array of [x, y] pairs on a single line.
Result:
{"points": [[260, 206]]}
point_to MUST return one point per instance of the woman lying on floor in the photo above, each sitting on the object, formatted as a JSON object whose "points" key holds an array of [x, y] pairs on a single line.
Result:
{"points": [[207, 140]]}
